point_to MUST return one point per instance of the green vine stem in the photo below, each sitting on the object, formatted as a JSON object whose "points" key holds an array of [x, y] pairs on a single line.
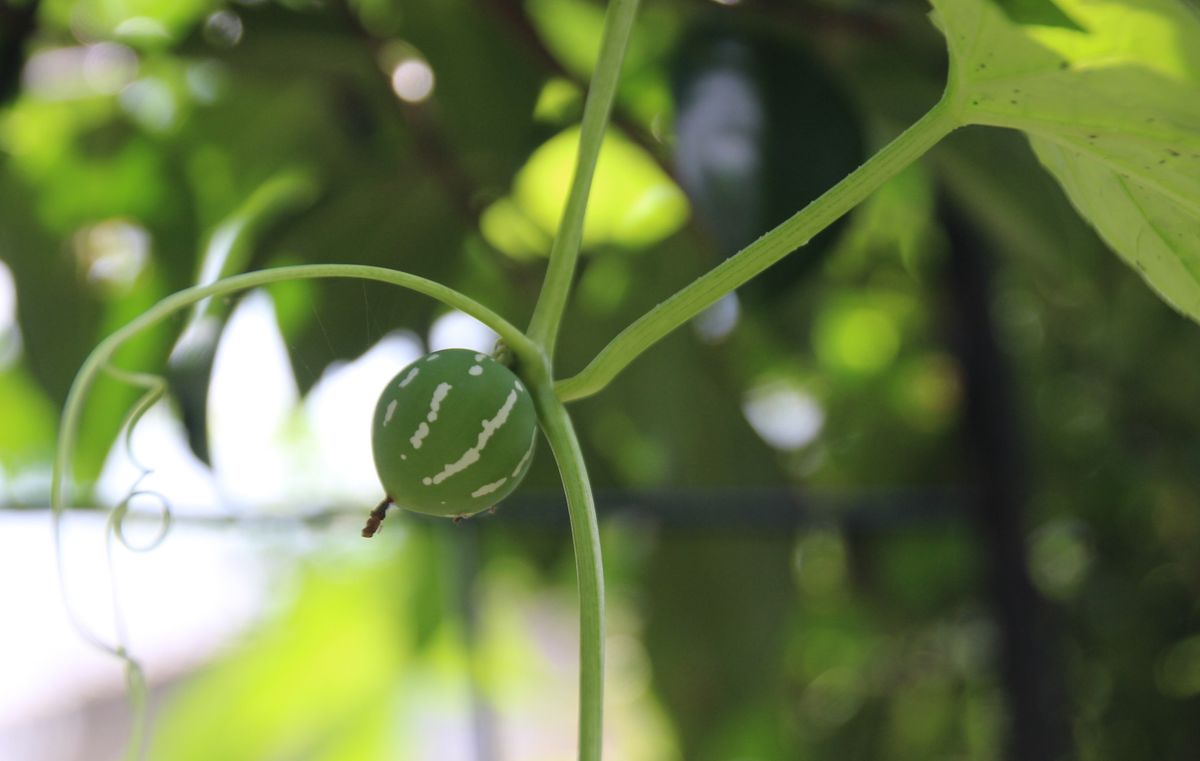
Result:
{"points": [[589, 567], [556, 423], [98, 360], [762, 253], [564, 253]]}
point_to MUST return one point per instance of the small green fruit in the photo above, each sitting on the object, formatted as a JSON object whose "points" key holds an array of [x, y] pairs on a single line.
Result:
{"points": [[454, 433]]}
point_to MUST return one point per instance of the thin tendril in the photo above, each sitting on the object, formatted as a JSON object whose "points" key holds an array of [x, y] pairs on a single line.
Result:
{"points": [[155, 387], [135, 681]]}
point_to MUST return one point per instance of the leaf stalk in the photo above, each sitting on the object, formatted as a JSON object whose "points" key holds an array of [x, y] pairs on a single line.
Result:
{"points": [[734, 272]]}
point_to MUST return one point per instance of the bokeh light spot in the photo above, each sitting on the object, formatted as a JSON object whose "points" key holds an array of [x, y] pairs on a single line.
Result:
{"points": [[113, 253], [859, 339], [151, 104], [457, 330], [142, 30], [80, 72], [412, 80], [223, 29], [783, 414], [1059, 556], [716, 323], [108, 67], [559, 100]]}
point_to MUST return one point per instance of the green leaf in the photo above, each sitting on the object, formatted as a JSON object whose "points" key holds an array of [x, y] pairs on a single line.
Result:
{"points": [[1043, 12], [1112, 110], [633, 204]]}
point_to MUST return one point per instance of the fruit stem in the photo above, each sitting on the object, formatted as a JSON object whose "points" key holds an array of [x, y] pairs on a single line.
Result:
{"points": [[375, 519]]}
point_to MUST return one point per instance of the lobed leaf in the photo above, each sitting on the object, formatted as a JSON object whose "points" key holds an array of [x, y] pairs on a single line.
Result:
{"points": [[1111, 106]]}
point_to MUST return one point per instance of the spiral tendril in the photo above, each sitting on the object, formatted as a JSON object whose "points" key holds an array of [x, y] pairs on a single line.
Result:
{"points": [[116, 535], [155, 388]]}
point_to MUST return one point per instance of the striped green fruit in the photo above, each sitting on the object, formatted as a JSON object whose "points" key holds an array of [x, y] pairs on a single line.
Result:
{"points": [[453, 434]]}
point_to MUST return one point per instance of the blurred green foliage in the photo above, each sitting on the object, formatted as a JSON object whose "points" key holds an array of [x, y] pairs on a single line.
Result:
{"points": [[142, 128]]}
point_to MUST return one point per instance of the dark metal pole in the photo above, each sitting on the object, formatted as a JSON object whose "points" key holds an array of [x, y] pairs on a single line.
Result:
{"points": [[18, 22], [996, 459]]}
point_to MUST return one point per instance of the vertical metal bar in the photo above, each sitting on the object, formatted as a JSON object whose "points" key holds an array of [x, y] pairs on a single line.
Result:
{"points": [[996, 456]]}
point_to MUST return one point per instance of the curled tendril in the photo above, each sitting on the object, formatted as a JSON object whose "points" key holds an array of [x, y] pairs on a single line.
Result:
{"points": [[115, 534], [116, 520], [155, 387]]}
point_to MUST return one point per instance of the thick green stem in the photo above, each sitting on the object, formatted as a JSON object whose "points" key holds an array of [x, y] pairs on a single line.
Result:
{"points": [[585, 533], [556, 423], [762, 253], [564, 253]]}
